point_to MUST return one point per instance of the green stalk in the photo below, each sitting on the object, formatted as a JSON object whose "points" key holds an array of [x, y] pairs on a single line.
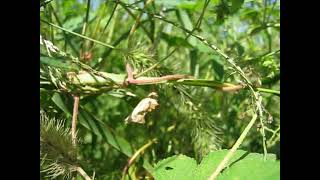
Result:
{"points": [[270, 91], [226, 159], [107, 79]]}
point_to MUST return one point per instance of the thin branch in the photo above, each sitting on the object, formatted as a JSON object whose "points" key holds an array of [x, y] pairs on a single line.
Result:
{"points": [[226, 159], [74, 120], [83, 173], [135, 155], [270, 91], [74, 126]]}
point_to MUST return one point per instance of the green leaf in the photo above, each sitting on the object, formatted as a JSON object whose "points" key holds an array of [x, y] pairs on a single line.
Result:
{"points": [[58, 100], [203, 48], [96, 126], [256, 30], [186, 21], [185, 4], [211, 162], [193, 60], [253, 167], [236, 5], [175, 167], [243, 165], [73, 23], [175, 40], [58, 63], [240, 49], [218, 69]]}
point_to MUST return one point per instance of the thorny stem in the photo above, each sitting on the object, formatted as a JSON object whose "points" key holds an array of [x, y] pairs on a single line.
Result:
{"points": [[135, 155], [226, 159]]}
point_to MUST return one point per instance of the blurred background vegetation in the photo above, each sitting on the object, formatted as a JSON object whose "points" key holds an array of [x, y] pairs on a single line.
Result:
{"points": [[246, 30]]}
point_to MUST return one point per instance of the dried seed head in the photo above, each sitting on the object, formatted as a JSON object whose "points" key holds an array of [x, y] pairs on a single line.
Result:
{"points": [[145, 105], [153, 95]]}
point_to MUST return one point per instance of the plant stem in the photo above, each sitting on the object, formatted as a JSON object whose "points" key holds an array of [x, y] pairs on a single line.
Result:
{"points": [[74, 120], [135, 155], [83, 173], [270, 91], [226, 159], [74, 126]]}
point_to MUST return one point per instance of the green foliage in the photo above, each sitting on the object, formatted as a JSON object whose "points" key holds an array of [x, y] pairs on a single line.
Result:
{"points": [[243, 165], [84, 50]]}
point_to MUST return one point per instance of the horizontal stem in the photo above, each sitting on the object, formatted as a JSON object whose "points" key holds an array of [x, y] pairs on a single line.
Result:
{"points": [[118, 80], [270, 91]]}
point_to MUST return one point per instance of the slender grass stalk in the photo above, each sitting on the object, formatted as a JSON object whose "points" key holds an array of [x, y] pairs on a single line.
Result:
{"points": [[135, 155], [226, 159], [270, 91]]}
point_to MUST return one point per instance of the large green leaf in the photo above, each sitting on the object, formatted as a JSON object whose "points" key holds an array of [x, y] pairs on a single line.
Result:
{"points": [[240, 158], [243, 165], [175, 167]]}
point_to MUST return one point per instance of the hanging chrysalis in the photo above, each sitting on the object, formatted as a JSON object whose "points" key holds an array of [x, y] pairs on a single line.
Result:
{"points": [[145, 105]]}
